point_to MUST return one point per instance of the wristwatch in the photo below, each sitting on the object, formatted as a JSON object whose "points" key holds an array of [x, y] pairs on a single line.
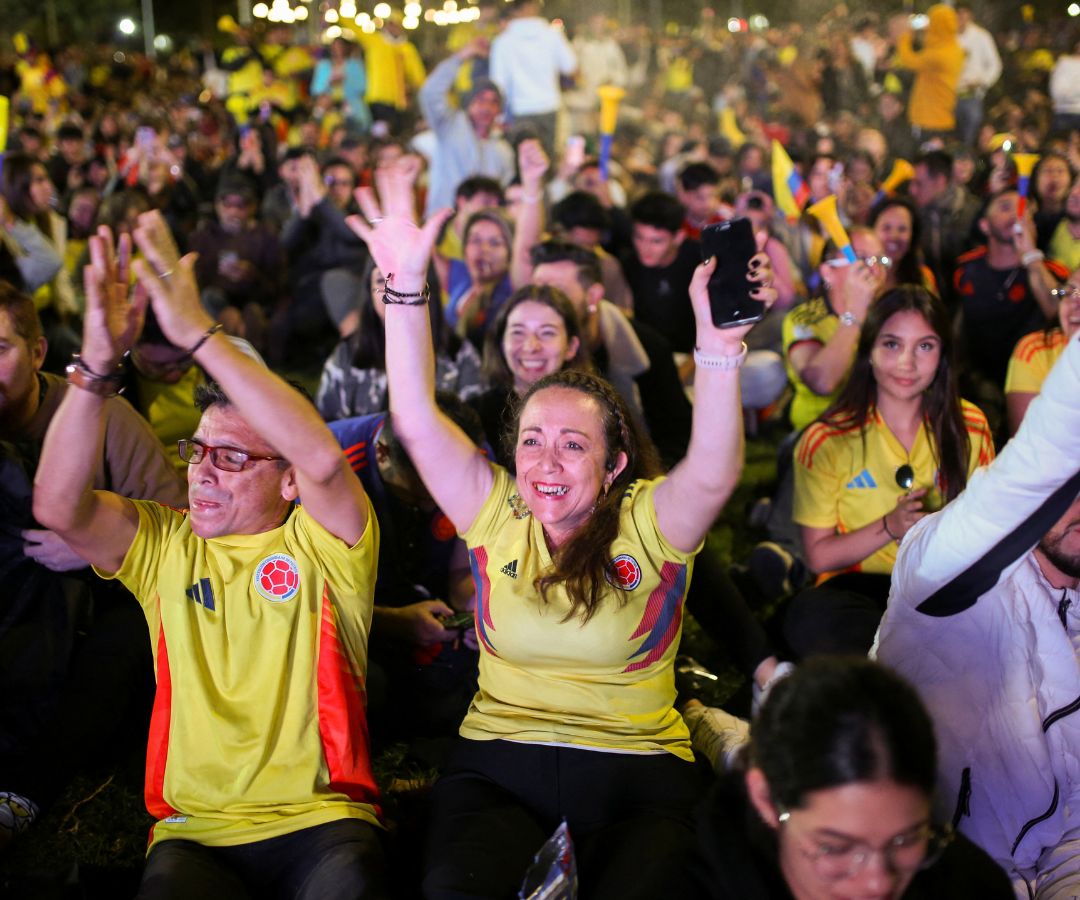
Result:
{"points": [[80, 375]]}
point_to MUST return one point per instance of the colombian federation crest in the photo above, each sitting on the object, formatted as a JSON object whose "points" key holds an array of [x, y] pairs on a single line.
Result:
{"points": [[277, 578], [624, 572]]}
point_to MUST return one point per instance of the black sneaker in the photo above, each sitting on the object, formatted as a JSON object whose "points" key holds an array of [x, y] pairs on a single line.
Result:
{"points": [[776, 572]]}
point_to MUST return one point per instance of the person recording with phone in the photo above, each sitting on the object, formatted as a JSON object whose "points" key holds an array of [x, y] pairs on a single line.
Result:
{"points": [[898, 443]]}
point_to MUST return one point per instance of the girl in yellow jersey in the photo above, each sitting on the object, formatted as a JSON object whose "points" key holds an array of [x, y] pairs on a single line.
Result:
{"points": [[581, 562], [898, 443], [1035, 354]]}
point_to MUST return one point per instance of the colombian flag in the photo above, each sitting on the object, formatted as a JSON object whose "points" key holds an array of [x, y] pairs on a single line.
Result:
{"points": [[789, 190]]}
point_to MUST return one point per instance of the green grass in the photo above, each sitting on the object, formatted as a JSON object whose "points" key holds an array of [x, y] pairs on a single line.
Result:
{"points": [[100, 821]]}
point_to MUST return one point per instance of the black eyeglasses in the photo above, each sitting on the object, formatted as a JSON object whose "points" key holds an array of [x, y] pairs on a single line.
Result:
{"points": [[228, 459]]}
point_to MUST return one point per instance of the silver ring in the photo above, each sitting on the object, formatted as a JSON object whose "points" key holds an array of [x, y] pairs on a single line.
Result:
{"points": [[376, 220], [165, 274]]}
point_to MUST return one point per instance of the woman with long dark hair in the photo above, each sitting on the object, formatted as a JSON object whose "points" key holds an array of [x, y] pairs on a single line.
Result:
{"points": [[837, 800], [535, 334], [581, 562], [897, 443], [896, 223], [353, 381]]}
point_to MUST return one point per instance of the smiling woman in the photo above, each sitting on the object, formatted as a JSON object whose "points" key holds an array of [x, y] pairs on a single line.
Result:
{"points": [[581, 563], [899, 414], [535, 334]]}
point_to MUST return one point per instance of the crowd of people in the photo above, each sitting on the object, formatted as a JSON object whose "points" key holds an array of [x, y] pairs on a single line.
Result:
{"points": [[487, 522]]}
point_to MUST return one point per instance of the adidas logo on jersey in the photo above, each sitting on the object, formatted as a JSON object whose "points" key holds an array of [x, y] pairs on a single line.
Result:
{"points": [[510, 569], [863, 480]]}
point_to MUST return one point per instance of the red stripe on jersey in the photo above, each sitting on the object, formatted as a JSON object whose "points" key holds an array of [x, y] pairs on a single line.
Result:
{"points": [[157, 744], [478, 561], [818, 434], [663, 616], [1028, 346], [342, 716]]}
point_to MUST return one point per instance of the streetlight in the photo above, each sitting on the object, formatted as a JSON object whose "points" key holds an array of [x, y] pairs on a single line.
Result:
{"points": [[126, 27]]}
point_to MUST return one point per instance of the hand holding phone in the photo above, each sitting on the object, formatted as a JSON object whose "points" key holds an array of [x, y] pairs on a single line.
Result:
{"points": [[733, 244], [458, 620]]}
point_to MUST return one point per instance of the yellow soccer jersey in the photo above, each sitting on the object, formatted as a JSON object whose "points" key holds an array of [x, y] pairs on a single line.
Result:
{"points": [[606, 685], [809, 322], [845, 477], [169, 410], [1032, 359], [260, 650]]}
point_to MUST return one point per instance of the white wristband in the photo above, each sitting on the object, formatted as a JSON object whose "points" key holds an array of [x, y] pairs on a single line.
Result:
{"points": [[1032, 256], [721, 362]]}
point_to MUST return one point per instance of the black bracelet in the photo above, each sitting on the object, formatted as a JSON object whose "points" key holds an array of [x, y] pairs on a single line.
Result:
{"points": [[209, 333], [401, 298], [885, 525]]}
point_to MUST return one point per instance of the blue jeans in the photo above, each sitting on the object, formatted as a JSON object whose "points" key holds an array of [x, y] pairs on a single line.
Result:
{"points": [[969, 117]]}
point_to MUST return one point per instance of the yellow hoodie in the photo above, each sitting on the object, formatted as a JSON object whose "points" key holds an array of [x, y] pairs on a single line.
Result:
{"points": [[937, 71]]}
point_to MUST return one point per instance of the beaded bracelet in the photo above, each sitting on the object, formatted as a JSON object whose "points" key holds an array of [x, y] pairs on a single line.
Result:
{"points": [[209, 333], [402, 298]]}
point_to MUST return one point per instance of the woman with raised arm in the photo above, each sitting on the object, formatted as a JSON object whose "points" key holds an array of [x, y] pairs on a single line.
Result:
{"points": [[581, 564]]}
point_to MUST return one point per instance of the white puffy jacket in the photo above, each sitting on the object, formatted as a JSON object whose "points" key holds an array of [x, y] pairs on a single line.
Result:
{"points": [[973, 623]]}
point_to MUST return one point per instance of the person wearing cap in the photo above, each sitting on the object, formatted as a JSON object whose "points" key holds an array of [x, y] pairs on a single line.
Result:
{"points": [[241, 265], [467, 141]]}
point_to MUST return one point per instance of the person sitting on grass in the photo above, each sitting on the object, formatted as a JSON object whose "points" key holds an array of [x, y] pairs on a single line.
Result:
{"points": [[581, 563], [258, 770]]}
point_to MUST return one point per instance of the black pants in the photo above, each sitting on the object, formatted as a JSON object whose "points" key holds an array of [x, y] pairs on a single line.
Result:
{"points": [[102, 708], [721, 611], [629, 818], [340, 860], [840, 616]]}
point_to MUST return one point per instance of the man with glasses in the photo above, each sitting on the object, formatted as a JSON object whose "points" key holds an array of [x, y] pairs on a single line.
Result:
{"points": [[258, 769]]}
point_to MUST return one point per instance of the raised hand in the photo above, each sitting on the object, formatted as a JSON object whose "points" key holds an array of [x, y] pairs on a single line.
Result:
{"points": [[532, 164], [113, 320], [398, 245], [170, 282], [860, 288], [727, 341]]}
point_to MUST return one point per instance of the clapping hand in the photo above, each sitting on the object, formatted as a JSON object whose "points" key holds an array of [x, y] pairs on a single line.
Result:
{"points": [[113, 320], [170, 281]]}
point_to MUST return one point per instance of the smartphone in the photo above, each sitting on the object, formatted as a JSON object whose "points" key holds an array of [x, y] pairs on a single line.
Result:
{"points": [[575, 151], [458, 620], [145, 138], [733, 244]]}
